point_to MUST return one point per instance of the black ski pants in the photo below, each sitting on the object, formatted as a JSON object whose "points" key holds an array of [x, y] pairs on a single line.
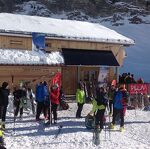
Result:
{"points": [[121, 113], [100, 118], [3, 110], [39, 109], [18, 108], [54, 110], [79, 110]]}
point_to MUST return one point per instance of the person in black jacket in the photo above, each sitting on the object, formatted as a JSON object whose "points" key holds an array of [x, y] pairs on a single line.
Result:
{"points": [[19, 95], [4, 93], [101, 103]]}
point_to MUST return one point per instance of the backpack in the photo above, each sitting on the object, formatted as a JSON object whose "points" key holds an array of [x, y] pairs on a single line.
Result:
{"points": [[89, 122], [64, 105], [102, 101]]}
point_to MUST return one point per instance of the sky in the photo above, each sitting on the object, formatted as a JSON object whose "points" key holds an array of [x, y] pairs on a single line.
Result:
{"points": [[138, 55]]}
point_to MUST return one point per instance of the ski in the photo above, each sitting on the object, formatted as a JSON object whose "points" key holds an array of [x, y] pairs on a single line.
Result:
{"points": [[47, 123]]}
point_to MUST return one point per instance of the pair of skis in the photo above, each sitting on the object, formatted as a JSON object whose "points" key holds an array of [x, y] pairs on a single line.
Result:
{"points": [[96, 133]]}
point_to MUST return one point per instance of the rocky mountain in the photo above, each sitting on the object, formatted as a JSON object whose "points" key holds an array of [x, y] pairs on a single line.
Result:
{"points": [[108, 10], [128, 17]]}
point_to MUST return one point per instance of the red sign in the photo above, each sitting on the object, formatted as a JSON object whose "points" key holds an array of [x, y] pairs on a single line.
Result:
{"points": [[138, 89], [148, 88]]}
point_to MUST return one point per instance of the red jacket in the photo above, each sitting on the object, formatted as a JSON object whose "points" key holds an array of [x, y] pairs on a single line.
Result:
{"points": [[54, 96]]}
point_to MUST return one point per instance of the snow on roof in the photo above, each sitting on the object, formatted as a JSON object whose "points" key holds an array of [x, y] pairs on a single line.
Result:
{"points": [[25, 57], [68, 29]]}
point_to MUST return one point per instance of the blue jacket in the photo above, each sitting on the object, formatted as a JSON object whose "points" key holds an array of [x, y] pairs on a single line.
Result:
{"points": [[118, 100], [40, 95], [46, 92]]}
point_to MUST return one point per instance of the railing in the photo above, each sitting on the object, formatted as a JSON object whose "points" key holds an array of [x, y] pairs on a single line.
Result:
{"points": [[139, 95]]}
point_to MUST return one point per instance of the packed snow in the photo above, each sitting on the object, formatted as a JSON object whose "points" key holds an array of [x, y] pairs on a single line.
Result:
{"points": [[61, 28], [10, 56], [34, 135]]}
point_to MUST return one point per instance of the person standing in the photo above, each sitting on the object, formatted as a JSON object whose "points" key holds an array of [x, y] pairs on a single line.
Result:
{"points": [[98, 109], [4, 93], [80, 98], [46, 108], [100, 106], [120, 100], [19, 100], [54, 97], [40, 100], [111, 93]]}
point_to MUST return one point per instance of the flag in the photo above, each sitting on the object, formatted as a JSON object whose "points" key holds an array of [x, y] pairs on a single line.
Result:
{"points": [[57, 80], [38, 42]]}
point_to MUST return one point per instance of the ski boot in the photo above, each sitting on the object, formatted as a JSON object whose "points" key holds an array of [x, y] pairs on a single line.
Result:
{"points": [[2, 126], [112, 126], [121, 129], [2, 143]]}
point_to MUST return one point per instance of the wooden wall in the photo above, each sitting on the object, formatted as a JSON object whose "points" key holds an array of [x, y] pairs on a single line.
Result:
{"points": [[70, 76], [57, 44], [35, 74], [13, 42]]}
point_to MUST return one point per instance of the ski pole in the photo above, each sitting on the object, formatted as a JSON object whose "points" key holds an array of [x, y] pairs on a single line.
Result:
{"points": [[14, 123], [50, 113], [109, 129], [105, 130]]}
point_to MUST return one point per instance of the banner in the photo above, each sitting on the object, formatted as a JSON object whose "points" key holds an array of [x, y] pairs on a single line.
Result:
{"points": [[38, 42], [103, 75], [138, 89]]}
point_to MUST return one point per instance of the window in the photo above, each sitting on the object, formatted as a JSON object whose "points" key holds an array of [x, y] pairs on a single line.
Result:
{"points": [[16, 42]]}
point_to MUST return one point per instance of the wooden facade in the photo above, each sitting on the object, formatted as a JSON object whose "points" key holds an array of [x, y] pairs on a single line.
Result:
{"points": [[70, 74], [25, 43]]}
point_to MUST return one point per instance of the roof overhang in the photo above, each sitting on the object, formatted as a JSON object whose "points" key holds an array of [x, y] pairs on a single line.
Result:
{"points": [[89, 57]]}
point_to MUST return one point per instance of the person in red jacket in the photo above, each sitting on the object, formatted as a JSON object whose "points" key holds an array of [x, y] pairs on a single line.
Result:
{"points": [[54, 97]]}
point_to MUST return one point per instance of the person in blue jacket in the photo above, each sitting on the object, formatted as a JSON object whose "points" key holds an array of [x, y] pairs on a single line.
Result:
{"points": [[40, 97], [119, 99], [46, 108]]}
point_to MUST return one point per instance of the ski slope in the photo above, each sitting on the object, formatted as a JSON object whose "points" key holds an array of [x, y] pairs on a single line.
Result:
{"points": [[29, 134]]}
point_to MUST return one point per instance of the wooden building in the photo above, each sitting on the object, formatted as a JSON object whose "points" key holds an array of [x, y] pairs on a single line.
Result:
{"points": [[83, 52]]}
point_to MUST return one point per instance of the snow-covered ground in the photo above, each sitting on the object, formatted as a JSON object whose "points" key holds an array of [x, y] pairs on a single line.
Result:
{"points": [[33, 135]]}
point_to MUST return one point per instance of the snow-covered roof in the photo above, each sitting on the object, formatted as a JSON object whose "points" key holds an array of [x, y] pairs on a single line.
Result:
{"points": [[25, 57], [68, 29]]}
